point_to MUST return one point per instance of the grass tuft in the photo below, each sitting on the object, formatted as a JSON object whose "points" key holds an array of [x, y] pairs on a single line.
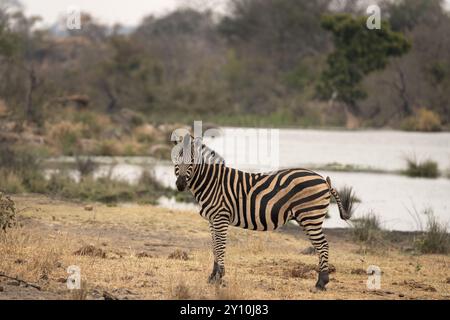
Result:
{"points": [[424, 169], [435, 239], [367, 228]]}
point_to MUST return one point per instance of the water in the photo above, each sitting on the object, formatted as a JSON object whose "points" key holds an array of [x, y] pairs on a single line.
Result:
{"points": [[382, 150], [396, 199]]}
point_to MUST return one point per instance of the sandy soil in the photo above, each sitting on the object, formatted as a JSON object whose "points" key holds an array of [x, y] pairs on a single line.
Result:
{"points": [[145, 252]]}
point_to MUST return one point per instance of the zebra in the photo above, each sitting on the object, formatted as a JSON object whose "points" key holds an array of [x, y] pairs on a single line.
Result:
{"points": [[255, 201]]}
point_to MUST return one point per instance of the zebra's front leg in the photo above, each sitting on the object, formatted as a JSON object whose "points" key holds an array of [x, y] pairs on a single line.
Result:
{"points": [[219, 228]]}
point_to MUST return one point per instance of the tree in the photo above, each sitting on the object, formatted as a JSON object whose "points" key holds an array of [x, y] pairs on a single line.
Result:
{"points": [[284, 31], [25, 49], [358, 52]]}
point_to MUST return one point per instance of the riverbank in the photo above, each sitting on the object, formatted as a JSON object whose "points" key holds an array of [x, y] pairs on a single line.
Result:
{"points": [[145, 252]]}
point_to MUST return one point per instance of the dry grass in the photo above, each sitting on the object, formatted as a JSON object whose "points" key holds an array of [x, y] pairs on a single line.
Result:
{"points": [[259, 265]]}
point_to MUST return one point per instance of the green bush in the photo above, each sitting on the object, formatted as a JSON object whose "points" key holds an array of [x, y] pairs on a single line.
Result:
{"points": [[424, 169]]}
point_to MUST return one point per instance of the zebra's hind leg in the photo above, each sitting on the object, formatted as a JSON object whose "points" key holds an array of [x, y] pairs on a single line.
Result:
{"points": [[313, 228]]}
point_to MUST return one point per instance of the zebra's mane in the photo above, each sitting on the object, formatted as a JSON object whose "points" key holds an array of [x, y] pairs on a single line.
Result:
{"points": [[210, 156]]}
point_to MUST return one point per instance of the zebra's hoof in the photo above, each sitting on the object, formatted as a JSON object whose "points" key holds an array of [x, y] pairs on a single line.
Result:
{"points": [[214, 278], [322, 281], [315, 290], [318, 288]]}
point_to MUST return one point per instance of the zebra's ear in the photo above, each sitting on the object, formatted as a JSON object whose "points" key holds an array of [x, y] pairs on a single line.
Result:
{"points": [[187, 140]]}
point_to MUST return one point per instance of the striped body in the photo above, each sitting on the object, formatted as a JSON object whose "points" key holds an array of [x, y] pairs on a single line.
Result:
{"points": [[261, 202]]}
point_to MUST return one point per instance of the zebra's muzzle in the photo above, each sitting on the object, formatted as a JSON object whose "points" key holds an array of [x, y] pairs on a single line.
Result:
{"points": [[181, 183]]}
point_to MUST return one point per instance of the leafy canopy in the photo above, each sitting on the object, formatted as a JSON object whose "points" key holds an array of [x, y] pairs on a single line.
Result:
{"points": [[358, 52]]}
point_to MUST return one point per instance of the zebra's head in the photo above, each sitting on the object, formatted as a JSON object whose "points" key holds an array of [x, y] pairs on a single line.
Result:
{"points": [[185, 159]]}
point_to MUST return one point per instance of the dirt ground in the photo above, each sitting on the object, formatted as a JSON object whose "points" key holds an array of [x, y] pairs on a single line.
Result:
{"points": [[146, 252]]}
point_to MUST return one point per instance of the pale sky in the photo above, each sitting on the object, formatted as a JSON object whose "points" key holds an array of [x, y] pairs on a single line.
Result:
{"points": [[126, 12]]}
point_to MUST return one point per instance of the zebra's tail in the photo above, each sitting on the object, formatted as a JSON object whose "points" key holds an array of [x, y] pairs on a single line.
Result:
{"points": [[345, 201]]}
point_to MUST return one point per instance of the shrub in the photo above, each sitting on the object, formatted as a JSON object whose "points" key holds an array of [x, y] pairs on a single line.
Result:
{"points": [[109, 148], [18, 159], [66, 136], [367, 228], [10, 182], [146, 133], [425, 169], [21, 170], [424, 120], [7, 212], [92, 124], [435, 239]]}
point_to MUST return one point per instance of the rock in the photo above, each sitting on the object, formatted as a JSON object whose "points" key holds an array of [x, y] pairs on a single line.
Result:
{"points": [[61, 280], [401, 295], [88, 207], [309, 251], [2, 289]]}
